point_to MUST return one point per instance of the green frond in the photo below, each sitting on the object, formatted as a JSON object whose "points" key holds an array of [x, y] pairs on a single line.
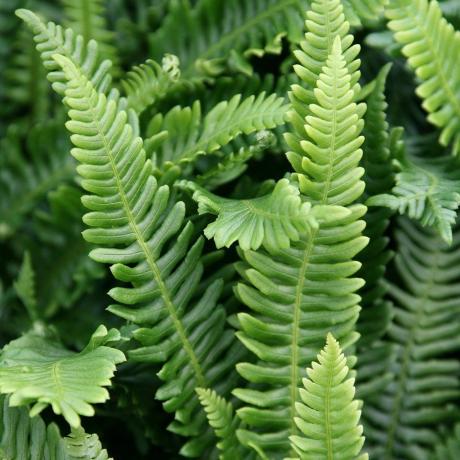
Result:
{"points": [[28, 173], [298, 295], [449, 449], [88, 19], [328, 416], [25, 286], [191, 134], [367, 12], [222, 418], [140, 230], [26, 438], [37, 370], [402, 421], [148, 82], [53, 39], [431, 46], [379, 178], [427, 190], [82, 446], [212, 35], [272, 220]]}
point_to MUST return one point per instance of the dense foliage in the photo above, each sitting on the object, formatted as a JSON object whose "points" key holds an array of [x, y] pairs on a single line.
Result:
{"points": [[228, 229]]}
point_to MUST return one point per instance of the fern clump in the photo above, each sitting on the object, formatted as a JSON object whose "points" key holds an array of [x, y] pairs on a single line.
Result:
{"points": [[202, 199]]}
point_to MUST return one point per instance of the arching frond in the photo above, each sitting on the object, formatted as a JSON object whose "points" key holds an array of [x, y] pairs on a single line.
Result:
{"points": [[139, 229], [431, 46], [37, 370], [328, 416], [402, 420]]}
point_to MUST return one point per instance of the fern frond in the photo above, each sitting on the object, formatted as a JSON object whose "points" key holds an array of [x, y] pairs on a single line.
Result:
{"points": [[427, 190], [26, 438], [87, 18], [53, 39], [34, 369], [431, 46], [449, 449], [146, 83], [25, 286], [190, 134], [211, 35], [139, 229], [367, 12], [272, 220], [402, 420], [82, 446], [328, 416], [297, 296], [223, 420]]}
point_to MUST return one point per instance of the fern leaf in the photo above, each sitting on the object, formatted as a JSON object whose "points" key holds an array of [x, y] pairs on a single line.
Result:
{"points": [[190, 134], [25, 286], [431, 46], [426, 190], [25, 438], [140, 229], [449, 449], [367, 12], [402, 420], [82, 446], [328, 415], [211, 34], [33, 369], [148, 82], [272, 220], [53, 39], [87, 18], [298, 295], [224, 422]]}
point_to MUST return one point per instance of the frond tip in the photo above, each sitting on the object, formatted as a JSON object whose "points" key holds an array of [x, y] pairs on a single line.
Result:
{"points": [[328, 416]]}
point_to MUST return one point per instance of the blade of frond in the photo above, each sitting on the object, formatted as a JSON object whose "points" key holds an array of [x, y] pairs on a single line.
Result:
{"points": [[297, 296], [37, 370], [139, 228], [82, 446], [222, 418], [402, 420], [146, 83], [190, 134], [53, 39], [431, 46], [88, 19], [328, 416], [25, 286], [272, 220]]}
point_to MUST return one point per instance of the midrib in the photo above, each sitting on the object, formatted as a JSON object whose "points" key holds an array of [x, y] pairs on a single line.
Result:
{"points": [[406, 361], [201, 381]]}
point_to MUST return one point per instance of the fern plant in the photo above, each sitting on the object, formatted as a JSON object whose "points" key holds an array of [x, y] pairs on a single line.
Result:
{"points": [[229, 229]]}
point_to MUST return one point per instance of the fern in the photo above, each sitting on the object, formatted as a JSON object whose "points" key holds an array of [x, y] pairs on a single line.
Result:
{"points": [[134, 219], [401, 421], [431, 45], [33, 369], [449, 449], [298, 295], [25, 286], [328, 416], [82, 446]]}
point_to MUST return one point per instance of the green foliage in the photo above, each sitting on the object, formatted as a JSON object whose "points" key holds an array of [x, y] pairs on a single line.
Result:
{"points": [[82, 446], [328, 416], [25, 286], [448, 449], [37, 370]]}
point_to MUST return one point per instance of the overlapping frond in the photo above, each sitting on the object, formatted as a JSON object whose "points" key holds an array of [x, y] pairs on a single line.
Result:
{"points": [[211, 35], [82, 446], [37, 370], [272, 220], [431, 46], [191, 134], [328, 416], [359, 12], [402, 420], [139, 229], [52, 39], [297, 296]]}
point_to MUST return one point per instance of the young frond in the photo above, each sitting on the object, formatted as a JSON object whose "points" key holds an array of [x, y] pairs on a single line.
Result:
{"points": [[190, 134], [272, 220], [139, 229], [36, 370], [431, 46], [53, 39], [328, 416], [82, 446]]}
